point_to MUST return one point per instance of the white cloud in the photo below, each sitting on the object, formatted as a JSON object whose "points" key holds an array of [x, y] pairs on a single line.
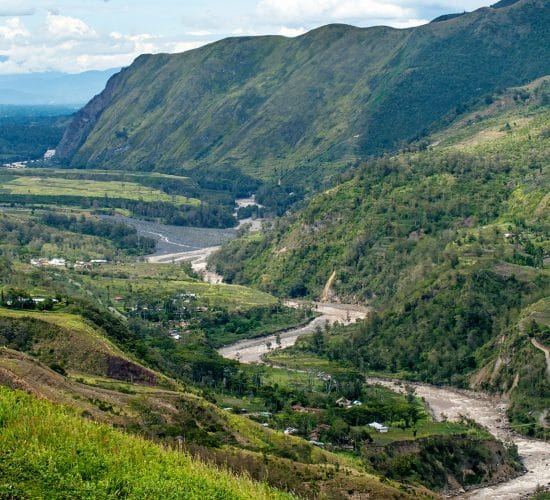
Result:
{"points": [[65, 35], [185, 46], [63, 43], [13, 28], [291, 32], [408, 23], [67, 27], [199, 33], [308, 11], [11, 8]]}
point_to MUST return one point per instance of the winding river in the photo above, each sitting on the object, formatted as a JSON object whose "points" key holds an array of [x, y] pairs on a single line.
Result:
{"points": [[446, 402]]}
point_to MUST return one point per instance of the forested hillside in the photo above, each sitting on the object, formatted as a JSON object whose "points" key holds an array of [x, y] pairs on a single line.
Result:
{"points": [[450, 243], [300, 109]]}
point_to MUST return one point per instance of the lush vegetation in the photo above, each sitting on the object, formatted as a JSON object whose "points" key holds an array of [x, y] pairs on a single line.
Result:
{"points": [[123, 236], [47, 234], [303, 108], [96, 363], [130, 372], [450, 243], [148, 196], [65, 456], [62, 187], [26, 133], [447, 240]]}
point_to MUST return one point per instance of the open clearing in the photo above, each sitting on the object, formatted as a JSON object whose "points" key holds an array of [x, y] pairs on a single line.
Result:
{"points": [[51, 186]]}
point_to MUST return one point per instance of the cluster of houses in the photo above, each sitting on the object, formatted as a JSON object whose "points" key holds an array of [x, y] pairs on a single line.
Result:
{"points": [[60, 262], [55, 262]]}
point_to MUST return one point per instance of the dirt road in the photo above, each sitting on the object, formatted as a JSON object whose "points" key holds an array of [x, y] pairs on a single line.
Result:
{"points": [[491, 413], [197, 258], [251, 351]]}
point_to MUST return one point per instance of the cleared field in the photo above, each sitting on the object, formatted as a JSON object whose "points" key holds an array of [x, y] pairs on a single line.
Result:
{"points": [[52, 186], [222, 295]]}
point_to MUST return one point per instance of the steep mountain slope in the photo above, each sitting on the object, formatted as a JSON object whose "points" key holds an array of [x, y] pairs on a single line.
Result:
{"points": [[387, 226], [450, 243], [273, 106]]}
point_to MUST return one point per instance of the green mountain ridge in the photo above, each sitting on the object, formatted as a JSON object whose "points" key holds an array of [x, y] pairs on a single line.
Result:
{"points": [[448, 241], [303, 108]]}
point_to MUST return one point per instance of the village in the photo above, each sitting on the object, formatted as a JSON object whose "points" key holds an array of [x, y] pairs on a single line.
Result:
{"points": [[60, 262], [318, 429]]}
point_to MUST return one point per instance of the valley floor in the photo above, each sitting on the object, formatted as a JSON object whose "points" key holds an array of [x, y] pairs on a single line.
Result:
{"points": [[445, 403]]}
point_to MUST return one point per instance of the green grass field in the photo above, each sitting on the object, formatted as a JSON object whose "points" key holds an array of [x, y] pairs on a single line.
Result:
{"points": [[129, 280], [65, 456], [52, 186]]}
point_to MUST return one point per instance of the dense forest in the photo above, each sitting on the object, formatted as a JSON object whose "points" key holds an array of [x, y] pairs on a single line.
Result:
{"points": [[27, 132]]}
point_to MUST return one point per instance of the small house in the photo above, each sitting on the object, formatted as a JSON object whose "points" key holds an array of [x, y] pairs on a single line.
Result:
{"points": [[379, 427], [343, 402]]}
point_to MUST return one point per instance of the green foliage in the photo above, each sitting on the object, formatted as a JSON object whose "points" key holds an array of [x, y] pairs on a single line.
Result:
{"points": [[48, 452], [304, 108], [434, 460], [26, 136], [449, 243], [123, 236], [49, 234]]}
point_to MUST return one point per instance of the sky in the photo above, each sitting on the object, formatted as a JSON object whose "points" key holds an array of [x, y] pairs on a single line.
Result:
{"points": [[79, 35]]}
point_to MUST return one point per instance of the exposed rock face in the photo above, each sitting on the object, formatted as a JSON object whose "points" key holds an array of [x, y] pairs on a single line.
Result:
{"points": [[123, 369], [449, 464], [85, 120]]}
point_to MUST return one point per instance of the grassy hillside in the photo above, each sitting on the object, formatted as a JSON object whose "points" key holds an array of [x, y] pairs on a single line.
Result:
{"points": [[299, 109], [69, 457], [107, 348], [61, 357], [449, 242]]}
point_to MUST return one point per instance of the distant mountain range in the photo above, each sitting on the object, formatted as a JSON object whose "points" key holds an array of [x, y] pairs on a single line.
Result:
{"points": [[303, 108], [53, 88]]}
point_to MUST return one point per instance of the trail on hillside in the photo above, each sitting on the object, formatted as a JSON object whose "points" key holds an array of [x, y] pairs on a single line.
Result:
{"points": [[546, 352]]}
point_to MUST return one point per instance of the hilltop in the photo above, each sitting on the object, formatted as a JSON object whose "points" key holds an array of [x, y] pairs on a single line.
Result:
{"points": [[298, 110]]}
